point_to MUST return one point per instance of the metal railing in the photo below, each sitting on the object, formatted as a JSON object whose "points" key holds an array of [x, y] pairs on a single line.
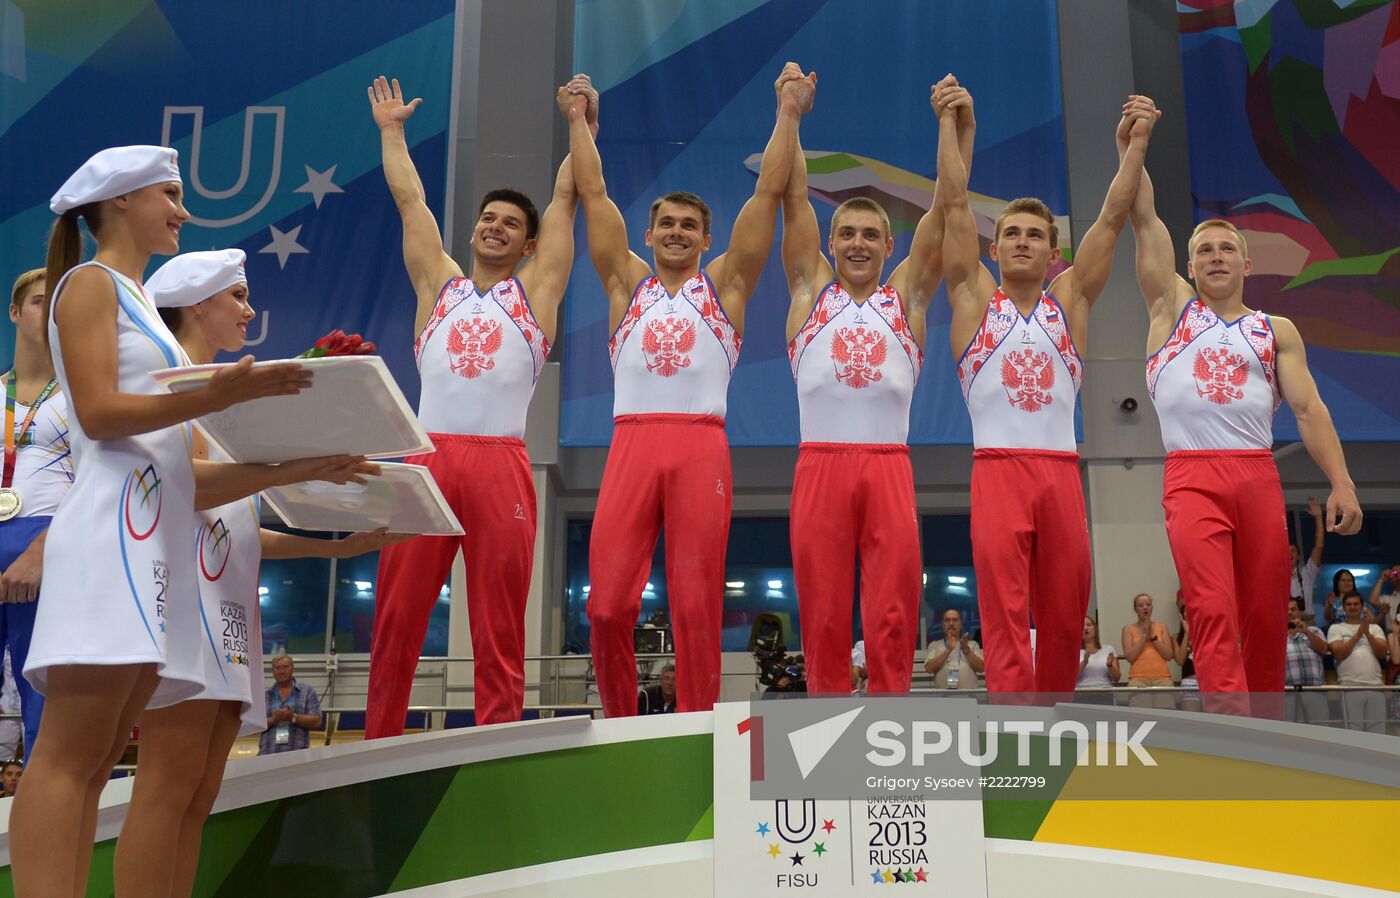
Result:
{"points": [[580, 681]]}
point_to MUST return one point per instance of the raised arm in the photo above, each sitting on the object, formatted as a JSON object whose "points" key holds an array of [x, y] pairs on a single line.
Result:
{"points": [[1343, 513], [804, 264], [429, 266], [961, 250], [1094, 258], [1164, 291], [618, 267], [1315, 512], [735, 272], [917, 276], [547, 274]]}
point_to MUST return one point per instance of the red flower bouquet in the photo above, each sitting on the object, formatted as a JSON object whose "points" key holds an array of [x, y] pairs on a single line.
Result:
{"points": [[338, 342]]}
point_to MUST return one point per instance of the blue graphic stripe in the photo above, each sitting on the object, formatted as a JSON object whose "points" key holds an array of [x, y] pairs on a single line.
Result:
{"points": [[199, 596], [136, 312], [126, 565]]}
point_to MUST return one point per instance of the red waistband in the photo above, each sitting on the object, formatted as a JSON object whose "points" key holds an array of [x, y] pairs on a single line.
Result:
{"points": [[472, 439], [1047, 454], [670, 418], [1220, 454], [861, 448]]}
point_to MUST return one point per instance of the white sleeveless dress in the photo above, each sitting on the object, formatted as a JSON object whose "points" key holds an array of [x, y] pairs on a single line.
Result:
{"points": [[119, 566], [228, 553]]}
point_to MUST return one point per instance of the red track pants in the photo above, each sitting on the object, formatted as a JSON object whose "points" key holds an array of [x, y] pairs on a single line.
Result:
{"points": [[1229, 538], [1030, 546], [672, 471], [849, 498], [488, 484]]}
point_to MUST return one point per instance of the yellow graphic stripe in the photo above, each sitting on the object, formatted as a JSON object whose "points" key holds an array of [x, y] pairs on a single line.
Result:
{"points": [[1256, 832]]}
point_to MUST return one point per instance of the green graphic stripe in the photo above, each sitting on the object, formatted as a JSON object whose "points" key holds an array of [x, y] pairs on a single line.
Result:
{"points": [[1357, 265], [1015, 814], [227, 838], [825, 165], [348, 842], [534, 809]]}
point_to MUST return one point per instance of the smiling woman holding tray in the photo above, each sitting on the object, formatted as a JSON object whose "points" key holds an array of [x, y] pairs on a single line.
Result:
{"points": [[119, 628]]}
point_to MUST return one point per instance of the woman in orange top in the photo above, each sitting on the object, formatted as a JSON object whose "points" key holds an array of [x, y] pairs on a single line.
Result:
{"points": [[1147, 645]]}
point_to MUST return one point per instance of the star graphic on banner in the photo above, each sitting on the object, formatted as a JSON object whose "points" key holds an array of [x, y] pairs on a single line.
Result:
{"points": [[284, 245], [796, 859], [921, 875], [889, 877], [828, 825], [229, 658], [899, 876], [819, 848], [318, 184], [774, 851], [876, 878], [908, 874], [162, 626], [763, 829]]}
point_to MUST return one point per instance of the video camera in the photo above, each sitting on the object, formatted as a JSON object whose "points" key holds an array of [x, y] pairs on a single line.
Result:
{"points": [[770, 653]]}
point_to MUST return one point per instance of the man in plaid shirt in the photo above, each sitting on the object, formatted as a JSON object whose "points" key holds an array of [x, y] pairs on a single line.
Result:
{"points": [[1303, 664], [293, 710]]}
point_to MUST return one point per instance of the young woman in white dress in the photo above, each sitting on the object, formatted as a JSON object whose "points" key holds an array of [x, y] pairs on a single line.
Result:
{"points": [[203, 298], [117, 630]]}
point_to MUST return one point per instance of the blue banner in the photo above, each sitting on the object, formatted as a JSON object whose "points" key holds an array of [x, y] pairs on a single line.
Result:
{"points": [[687, 104], [265, 102]]}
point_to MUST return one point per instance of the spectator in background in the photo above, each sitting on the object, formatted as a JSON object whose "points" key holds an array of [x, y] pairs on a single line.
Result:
{"points": [[1098, 663], [293, 711], [858, 672], [1303, 578], [1183, 656], [661, 698], [1343, 585], [956, 662], [10, 773], [1148, 646], [1303, 664], [1387, 582], [1181, 650], [10, 729], [1359, 645]]}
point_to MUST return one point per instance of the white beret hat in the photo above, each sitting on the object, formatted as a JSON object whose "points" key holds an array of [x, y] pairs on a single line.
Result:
{"points": [[113, 172], [191, 278]]}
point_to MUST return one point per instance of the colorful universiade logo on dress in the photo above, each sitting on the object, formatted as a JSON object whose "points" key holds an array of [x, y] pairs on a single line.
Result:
{"points": [[215, 545], [141, 506]]}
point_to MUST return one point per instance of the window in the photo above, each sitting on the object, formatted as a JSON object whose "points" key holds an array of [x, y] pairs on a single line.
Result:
{"points": [[292, 601]]}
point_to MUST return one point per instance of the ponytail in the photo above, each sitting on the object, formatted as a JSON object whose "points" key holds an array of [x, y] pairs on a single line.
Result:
{"points": [[65, 252], [172, 318]]}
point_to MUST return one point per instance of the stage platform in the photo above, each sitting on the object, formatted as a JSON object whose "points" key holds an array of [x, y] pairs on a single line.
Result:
{"points": [[581, 808]]}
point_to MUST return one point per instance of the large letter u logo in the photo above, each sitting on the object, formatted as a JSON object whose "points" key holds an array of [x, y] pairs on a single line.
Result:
{"points": [[279, 115]]}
